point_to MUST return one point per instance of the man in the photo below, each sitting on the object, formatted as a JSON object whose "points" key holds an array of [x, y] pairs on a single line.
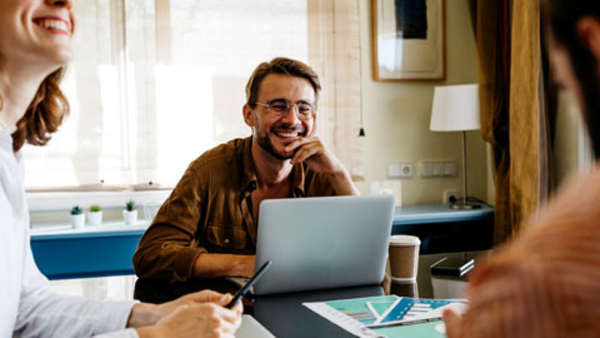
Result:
{"points": [[545, 284], [207, 228]]}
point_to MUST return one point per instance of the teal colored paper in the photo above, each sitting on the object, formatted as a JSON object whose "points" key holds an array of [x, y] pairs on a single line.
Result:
{"points": [[357, 308]]}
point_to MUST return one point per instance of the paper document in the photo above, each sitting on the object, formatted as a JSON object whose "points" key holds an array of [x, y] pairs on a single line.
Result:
{"points": [[386, 316]]}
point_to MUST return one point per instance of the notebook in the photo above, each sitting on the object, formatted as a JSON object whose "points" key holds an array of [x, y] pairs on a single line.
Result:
{"points": [[323, 242]]}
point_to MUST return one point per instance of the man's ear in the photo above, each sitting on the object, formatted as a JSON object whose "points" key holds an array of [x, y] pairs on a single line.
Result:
{"points": [[588, 30], [248, 115]]}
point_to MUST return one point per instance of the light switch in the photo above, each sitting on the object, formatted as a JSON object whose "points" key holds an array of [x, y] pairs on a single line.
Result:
{"points": [[450, 168], [393, 170], [438, 169], [426, 169]]}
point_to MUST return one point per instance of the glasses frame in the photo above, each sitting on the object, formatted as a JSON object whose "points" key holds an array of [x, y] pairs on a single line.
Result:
{"points": [[294, 106]]}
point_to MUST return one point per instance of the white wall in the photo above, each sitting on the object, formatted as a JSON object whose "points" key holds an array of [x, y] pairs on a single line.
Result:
{"points": [[396, 116]]}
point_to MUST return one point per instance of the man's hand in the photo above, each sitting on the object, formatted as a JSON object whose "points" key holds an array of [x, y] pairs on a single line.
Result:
{"points": [[312, 151], [209, 265]]}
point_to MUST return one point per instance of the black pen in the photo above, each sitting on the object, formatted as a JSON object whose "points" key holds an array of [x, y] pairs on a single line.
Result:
{"points": [[241, 292]]}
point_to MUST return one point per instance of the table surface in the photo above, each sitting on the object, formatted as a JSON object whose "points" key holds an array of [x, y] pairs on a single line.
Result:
{"points": [[285, 316]]}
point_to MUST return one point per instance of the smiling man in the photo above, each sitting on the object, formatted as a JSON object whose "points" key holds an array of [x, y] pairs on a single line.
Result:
{"points": [[207, 228]]}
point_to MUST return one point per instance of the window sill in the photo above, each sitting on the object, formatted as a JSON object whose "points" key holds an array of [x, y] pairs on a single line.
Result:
{"points": [[59, 201]]}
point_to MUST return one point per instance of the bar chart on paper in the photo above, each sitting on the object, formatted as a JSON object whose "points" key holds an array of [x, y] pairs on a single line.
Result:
{"points": [[363, 310], [388, 316]]}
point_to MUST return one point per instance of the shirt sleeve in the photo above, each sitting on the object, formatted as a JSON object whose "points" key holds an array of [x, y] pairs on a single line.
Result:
{"points": [[168, 249], [45, 313], [129, 333]]}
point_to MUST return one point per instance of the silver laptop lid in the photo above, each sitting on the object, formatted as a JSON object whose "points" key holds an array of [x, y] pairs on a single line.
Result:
{"points": [[323, 242]]}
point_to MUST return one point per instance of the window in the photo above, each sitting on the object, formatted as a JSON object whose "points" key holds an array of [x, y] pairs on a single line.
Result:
{"points": [[155, 83]]}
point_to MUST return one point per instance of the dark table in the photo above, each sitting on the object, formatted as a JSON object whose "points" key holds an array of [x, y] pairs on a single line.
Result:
{"points": [[286, 317]]}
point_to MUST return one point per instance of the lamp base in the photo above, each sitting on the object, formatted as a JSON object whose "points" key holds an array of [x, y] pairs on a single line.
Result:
{"points": [[465, 205]]}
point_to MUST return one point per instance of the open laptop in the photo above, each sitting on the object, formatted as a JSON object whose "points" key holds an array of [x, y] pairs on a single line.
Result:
{"points": [[323, 242]]}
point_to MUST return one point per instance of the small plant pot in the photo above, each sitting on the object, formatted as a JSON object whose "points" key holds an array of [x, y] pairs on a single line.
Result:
{"points": [[95, 218], [130, 217], [78, 221]]}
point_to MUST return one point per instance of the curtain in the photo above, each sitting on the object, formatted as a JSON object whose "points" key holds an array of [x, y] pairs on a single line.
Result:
{"points": [[516, 107], [155, 83], [334, 33]]}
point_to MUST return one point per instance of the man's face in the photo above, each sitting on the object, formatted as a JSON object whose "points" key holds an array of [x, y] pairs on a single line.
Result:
{"points": [[273, 131]]}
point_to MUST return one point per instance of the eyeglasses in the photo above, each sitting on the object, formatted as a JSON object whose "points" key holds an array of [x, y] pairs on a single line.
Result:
{"points": [[303, 110]]}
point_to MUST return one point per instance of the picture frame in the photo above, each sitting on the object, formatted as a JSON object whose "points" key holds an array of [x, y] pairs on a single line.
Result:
{"points": [[409, 40]]}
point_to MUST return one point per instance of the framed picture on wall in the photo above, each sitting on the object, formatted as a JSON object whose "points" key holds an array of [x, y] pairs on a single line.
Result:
{"points": [[408, 40]]}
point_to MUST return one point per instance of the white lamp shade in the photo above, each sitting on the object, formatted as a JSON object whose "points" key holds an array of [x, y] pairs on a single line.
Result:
{"points": [[455, 108]]}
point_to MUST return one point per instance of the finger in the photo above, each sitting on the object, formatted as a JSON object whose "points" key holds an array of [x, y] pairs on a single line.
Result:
{"points": [[299, 142], [452, 323], [303, 153], [229, 315], [225, 299], [205, 296]]}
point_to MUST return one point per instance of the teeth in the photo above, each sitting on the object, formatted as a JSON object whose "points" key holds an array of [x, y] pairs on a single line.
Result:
{"points": [[283, 134], [54, 24]]}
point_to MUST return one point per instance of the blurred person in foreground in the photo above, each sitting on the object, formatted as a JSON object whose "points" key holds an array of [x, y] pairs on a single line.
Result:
{"points": [[547, 282], [35, 45]]}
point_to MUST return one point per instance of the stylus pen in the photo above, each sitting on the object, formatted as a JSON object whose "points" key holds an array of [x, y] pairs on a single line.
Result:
{"points": [[242, 292]]}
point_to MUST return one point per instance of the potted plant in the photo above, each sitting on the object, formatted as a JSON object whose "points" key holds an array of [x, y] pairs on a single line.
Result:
{"points": [[130, 213], [77, 217], [95, 214]]}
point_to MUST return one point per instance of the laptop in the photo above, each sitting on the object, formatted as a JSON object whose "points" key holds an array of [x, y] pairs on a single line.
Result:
{"points": [[323, 242]]}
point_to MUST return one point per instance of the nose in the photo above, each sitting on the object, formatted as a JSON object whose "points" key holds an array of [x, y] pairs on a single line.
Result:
{"points": [[293, 117], [60, 3]]}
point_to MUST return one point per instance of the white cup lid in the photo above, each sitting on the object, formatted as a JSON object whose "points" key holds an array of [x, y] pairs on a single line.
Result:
{"points": [[404, 240], [403, 280]]}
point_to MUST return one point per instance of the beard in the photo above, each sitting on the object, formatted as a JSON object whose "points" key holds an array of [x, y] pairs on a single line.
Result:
{"points": [[264, 141]]}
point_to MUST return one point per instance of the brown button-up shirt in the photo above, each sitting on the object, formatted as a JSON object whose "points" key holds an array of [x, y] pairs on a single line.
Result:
{"points": [[210, 210]]}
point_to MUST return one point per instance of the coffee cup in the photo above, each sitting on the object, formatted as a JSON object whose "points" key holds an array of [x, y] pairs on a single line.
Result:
{"points": [[404, 257], [402, 288]]}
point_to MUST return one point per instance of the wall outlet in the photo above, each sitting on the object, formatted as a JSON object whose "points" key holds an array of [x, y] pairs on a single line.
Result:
{"points": [[400, 170], [450, 196]]}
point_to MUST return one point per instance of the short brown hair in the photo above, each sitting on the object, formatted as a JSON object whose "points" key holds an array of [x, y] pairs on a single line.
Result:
{"points": [[44, 114], [284, 66]]}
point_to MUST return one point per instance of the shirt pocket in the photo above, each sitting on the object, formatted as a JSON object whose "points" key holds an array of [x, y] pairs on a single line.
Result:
{"points": [[226, 236]]}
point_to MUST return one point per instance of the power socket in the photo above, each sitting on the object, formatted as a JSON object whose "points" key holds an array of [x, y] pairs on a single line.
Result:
{"points": [[450, 196]]}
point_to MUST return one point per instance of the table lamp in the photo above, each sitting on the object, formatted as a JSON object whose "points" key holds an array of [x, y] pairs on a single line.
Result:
{"points": [[456, 108]]}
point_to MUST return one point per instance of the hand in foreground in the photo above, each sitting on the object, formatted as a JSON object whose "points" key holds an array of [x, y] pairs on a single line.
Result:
{"points": [[208, 320], [206, 296], [149, 314], [451, 321]]}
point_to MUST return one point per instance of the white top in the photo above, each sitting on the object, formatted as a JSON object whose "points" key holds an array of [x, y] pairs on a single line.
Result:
{"points": [[28, 308], [404, 240]]}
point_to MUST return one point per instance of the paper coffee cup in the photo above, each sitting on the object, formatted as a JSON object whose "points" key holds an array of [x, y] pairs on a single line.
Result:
{"points": [[404, 257]]}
